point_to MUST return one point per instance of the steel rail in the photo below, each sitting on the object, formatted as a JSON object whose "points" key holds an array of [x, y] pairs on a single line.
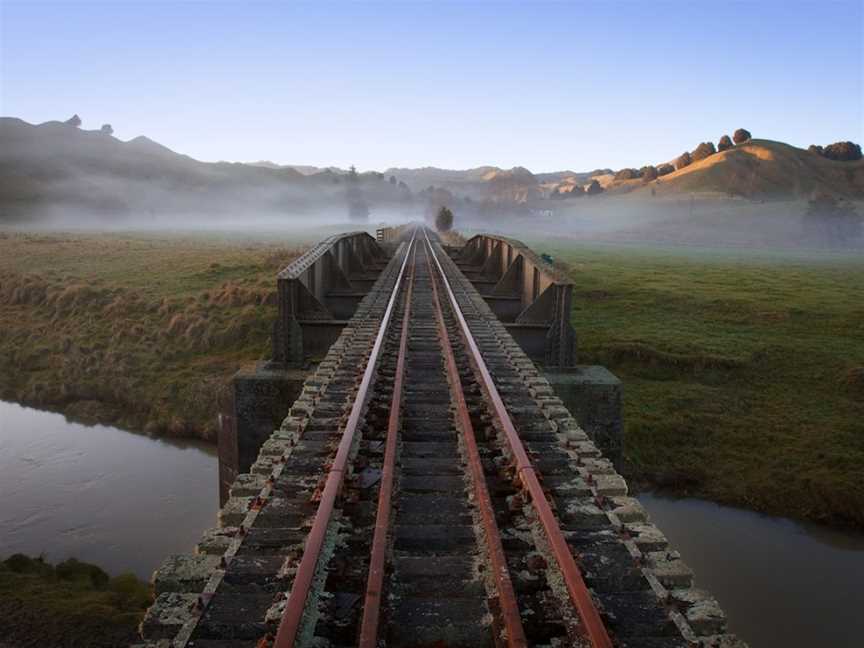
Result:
{"points": [[580, 597], [514, 632], [378, 556], [289, 624]]}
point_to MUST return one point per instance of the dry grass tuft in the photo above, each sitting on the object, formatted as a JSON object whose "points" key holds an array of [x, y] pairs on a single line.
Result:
{"points": [[135, 332]]}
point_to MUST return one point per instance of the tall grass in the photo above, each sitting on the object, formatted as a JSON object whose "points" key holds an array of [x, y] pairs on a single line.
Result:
{"points": [[149, 350]]}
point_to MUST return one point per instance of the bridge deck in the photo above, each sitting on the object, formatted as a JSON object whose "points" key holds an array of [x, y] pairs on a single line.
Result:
{"points": [[471, 510]]}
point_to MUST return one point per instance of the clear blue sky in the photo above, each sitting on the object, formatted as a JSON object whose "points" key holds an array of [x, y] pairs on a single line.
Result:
{"points": [[547, 86]]}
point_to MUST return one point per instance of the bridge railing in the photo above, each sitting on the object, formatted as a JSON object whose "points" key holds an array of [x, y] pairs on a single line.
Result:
{"points": [[319, 291], [532, 297]]}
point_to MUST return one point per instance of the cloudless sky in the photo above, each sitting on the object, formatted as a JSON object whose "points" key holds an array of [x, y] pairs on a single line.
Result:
{"points": [[566, 85]]}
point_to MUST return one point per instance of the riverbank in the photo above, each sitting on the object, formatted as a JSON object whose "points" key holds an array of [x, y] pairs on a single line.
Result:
{"points": [[743, 371], [70, 604], [141, 332]]}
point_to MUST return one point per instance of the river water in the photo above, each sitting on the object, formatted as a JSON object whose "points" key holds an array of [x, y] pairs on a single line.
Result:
{"points": [[120, 500], [124, 501], [781, 583]]}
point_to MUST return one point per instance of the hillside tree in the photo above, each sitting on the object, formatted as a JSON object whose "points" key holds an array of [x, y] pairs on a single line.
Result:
{"points": [[683, 160], [594, 188], [444, 220], [74, 120], [704, 150], [725, 143], [106, 129], [627, 174], [648, 173], [741, 135], [843, 151], [665, 169]]}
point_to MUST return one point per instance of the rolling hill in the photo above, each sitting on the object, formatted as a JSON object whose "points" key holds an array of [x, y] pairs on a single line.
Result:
{"points": [[55, 168], [758, 169]]}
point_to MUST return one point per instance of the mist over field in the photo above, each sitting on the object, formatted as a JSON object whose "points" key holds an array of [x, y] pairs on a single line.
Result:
{"points": [[755, 194]]}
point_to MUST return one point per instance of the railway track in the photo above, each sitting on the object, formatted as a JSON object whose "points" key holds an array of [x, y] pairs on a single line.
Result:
{"points": [[427, 489]]}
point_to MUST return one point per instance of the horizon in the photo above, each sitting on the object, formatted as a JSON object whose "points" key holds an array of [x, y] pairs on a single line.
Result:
{"points": [[409, 85]]}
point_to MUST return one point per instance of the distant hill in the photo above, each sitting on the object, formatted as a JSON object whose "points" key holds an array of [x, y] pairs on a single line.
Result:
{"points": [[764, 168], [482, 184], [756, 169], [304, 169], [55, 167]]}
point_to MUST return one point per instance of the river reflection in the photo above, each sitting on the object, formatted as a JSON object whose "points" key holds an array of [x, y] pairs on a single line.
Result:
{"points": [[781, 583], [120, 500]]}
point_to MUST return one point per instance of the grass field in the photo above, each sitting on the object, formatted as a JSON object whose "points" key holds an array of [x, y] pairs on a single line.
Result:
{"points": [[141, 331], [67, 605], [743, 372]]}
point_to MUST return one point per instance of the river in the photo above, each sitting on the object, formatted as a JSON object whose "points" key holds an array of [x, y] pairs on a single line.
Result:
{"points": [[120, 500], [124, 501], [782, 583]]}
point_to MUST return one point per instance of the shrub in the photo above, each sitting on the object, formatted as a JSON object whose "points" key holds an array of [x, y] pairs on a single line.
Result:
{"points": [[683, 160], [81, 572], [704, 150], [648, 173], [665, 169], [725, 143], [843, 151], [627, 174], [594, 188], [444, 220], [741, 135]]}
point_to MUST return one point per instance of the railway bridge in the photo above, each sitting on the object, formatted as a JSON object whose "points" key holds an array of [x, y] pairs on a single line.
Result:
{"points": [[428, 484]]}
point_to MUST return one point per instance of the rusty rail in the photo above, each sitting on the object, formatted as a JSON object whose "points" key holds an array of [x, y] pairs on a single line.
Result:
{"points": [[289, 625], [377, 560], [580, 597], [515, 633]]}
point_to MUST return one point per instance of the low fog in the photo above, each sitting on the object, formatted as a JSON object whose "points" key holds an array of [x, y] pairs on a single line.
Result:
{"points": [[57, 176]]}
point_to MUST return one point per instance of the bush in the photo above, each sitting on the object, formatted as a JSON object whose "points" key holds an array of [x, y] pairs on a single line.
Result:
{"points": [[683, 160], [106, 129], [741, 135], [627, 174], [815, 148], [704, 150], [74, 120], [85, 573], [648, 173], [444, 220], [725, 143], [594, 188], [665, 169], [843, 151]]}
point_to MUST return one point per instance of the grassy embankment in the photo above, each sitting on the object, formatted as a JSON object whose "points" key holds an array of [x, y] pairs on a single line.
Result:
{"points": [[133, 330], [72, 604], [743, 375]]}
